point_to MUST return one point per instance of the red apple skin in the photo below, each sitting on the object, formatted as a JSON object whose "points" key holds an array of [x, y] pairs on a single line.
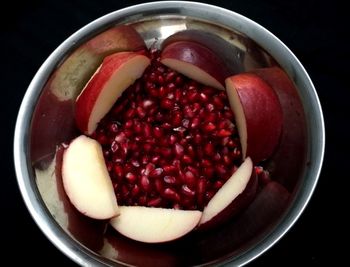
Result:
{"points": [[199, 56], [236, 206], [263, 114], [252, 225], [231, 55], [289, 160], [86, 101], [53, 118]]}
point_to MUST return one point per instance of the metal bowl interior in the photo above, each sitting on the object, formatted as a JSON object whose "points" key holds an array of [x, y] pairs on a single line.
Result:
{"points": [[295, 167]]}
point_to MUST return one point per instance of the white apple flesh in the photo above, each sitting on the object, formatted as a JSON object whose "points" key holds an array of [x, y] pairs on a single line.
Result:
{"points": [[238, 191], [196, 62], [155, 225], [116, 73], [86, 180], [258, 114]]}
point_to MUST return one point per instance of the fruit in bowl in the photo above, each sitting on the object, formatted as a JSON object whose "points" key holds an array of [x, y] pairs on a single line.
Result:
{"points": [[170, 141]]}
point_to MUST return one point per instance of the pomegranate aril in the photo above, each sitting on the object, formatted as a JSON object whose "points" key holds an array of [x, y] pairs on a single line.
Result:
{"points": [[209, 107], [169, 169], [118, 170], [156, 173], [113, 128], [166, 152], [187, 159], [141, 112], [114, 146], [171, 86], [155, 202], [179, 80], [190, 179], [209, 149], [170, 76], [178, 150], [187, 191], [177, 119], [135, 190], [155, 159], [131, 177], [158, 132], [224, 133], [145, 183], [171, 194], [209, 127], [195, 123], [218, 102], [171, 180], [203, 97], [208, 172], [158, 184]]}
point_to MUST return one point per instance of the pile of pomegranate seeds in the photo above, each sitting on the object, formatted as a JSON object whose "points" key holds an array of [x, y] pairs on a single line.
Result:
{"points": [[169, 142]]}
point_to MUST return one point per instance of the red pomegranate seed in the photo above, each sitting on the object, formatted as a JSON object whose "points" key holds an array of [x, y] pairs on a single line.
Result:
{"points": [[224, 133], [145, 184], [189, 178], [170, 169], [156, 173], [209, 127], [169, 179], [135, 190], [131, 177], [179, 150], [171, 194], [203, 97], [118, 170], [155, 202], [209, 149], [187, 159], [170, 76], [187, 191]]}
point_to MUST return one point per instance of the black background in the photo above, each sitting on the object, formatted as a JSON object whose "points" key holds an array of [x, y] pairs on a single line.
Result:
{"points": [[315, 31]]}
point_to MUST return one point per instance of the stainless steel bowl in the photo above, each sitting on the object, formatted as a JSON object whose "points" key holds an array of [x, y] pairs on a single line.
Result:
{"points": [[252, 47]]}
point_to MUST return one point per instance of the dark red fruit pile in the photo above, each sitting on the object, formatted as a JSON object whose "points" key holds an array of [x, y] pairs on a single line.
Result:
{"points": [[169, 141]]}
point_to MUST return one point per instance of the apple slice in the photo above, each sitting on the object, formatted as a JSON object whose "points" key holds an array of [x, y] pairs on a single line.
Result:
{"points": [[155, 225], [196, 62], [288, 161], [86, 180], [236, 194], [69, 79], [231, 50], [258, 114], [116, 73]]}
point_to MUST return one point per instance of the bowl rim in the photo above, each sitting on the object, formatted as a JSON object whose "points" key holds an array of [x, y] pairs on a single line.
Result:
{"points": [[228, 18]]}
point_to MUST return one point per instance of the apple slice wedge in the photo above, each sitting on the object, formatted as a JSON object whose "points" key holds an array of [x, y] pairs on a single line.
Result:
{"points": [[116, 73], [258, 114], [236, 194], [86, 180], [196, 62], [155, 225], [70, 77]]}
